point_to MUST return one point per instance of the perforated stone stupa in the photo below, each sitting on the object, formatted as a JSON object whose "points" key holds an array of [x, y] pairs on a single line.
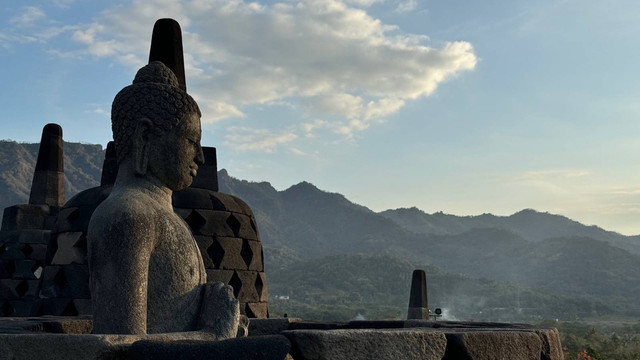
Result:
{"points": [[43, 244]]}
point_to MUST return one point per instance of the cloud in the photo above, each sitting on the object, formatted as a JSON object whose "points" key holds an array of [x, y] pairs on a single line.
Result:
{"points": [[31, 25], [406, 6], [28, 17], [330, 58], [250, 139]]}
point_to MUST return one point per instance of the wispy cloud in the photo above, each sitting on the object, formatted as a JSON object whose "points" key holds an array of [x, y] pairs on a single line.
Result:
{"points": [[29, 16], [406, 6], [250, 139], [31, 25], [332, 58]]}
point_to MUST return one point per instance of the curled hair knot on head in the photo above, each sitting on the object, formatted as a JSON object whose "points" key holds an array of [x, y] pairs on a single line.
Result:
{"points": [[155, 95]]}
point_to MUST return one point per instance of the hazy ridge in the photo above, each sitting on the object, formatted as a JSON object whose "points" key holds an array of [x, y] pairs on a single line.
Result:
{"points": [[334, 258]]}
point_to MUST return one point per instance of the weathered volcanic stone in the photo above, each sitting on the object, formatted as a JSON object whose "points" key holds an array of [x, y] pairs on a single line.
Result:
{"points": [[551, 346], [48, 179], [271, 326], [366, 344], [80, 346], [25, 236], [25, 217], [476, 345], [418, 305], [273, 347], [256, 310], [207, 177], [166, 47]]}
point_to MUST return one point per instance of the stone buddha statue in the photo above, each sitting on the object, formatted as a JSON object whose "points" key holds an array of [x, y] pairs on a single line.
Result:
{"points": [[146, 271]]}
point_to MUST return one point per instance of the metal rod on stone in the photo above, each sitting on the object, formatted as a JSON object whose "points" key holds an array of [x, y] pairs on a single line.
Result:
{"points": [[166, 46], [418, 305], [47, 187]]}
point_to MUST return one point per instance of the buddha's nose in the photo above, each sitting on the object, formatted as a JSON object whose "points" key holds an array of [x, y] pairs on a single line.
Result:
{"points": [[199, 159]]}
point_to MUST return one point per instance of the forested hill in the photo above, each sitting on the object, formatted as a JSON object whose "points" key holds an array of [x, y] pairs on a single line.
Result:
{"points": [[82, 168], [530, 260]]}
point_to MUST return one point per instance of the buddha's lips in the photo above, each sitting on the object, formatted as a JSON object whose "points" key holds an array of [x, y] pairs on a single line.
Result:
{"points": [[194, 172]]}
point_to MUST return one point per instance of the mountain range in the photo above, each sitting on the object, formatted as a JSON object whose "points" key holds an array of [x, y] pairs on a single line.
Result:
{"points": [[333, 258]]}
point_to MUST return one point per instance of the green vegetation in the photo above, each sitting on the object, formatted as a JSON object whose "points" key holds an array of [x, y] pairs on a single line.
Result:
{"points": [[599, 339], [343, 287], [336, 260]]}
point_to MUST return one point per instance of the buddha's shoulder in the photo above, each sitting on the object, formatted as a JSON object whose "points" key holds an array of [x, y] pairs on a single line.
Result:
{"points": [[127, 208]]}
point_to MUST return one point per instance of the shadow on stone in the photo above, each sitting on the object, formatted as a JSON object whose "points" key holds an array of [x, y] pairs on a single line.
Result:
{"points": [[272, 347]]}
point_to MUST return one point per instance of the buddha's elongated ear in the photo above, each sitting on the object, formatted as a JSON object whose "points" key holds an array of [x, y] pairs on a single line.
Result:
{"points": [[142, 136]]}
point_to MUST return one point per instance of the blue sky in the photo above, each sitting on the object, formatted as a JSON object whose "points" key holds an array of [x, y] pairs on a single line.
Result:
{"points": [[458, 106]]}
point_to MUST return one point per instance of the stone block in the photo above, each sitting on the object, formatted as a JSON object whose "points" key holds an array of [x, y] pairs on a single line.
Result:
{"points": [[7, 267], [244, 208], [513, 345], [256, 261], [77, 281], [229, 202], [50, 222], [80, 346], [81, 324], [418, 306], [23, 308], [74, 219], [210, 223], [27, 270], [355, 344], [271, 326], [418, 313], [20, 217], [376, 324], [247, 290], [261, 287], [91, 197], [246, 228], [12, 289], [70, 249], [11, 251], [47, 188], [83, 306], [207, 177], [204, 242], [256, 310], [52, 280], [230, 248], [271, 347], [192, 198], [183, 213], [25, 236], [38, 252], [59, 307], [68, 281], [551, 346], [215, 275]]}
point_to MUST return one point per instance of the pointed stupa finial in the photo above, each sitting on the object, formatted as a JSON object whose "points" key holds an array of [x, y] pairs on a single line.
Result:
{"points": [[418, 305], [47, 187], [166, 46]]}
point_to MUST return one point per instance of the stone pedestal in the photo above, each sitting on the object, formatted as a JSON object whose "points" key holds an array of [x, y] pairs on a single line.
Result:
{"points": [[53, 337]]}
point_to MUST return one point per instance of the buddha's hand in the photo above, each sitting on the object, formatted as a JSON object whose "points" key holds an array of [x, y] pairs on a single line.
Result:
{"points": [[220, 311]]}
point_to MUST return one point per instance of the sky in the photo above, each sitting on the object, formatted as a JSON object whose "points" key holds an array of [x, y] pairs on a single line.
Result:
{"points": [[465, 107]]}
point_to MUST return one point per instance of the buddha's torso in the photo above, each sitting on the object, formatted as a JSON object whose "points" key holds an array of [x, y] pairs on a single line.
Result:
{"points": [[176, 271], [175, 268]]}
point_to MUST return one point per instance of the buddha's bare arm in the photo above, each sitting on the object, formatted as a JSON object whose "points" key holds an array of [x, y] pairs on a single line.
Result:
{"points": [[119, 265]]}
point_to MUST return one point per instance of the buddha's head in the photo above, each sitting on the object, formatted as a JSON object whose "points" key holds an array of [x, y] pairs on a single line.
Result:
{"points": [[156, 128]]}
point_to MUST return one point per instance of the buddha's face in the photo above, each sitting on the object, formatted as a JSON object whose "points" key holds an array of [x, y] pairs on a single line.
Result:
{"points": [[175, 155]]}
